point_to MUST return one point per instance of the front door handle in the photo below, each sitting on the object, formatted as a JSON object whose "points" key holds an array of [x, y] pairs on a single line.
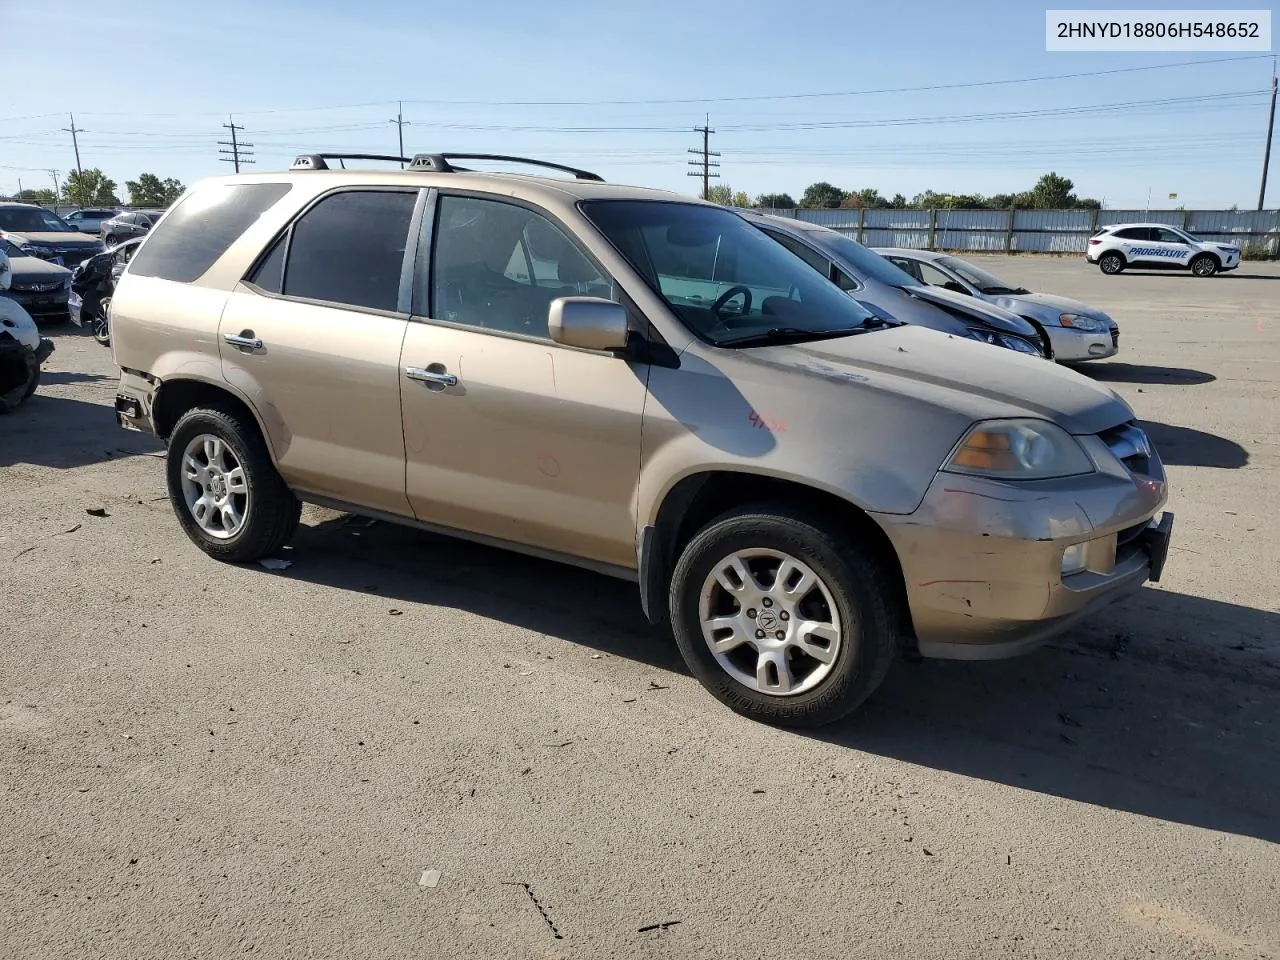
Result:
{"points": [[433, 376], [244, 338]]}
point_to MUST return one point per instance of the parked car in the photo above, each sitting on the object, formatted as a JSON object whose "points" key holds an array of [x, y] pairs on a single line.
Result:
{"points": [[1077, 331], [41, 287], [872, 280], [92, 285], [22, 349], [638, 383], [126, 226], [1158, 246], [89, 221], [41, 233]]}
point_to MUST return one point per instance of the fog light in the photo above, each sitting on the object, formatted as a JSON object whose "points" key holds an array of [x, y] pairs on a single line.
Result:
{"points": [[1074, 558]]}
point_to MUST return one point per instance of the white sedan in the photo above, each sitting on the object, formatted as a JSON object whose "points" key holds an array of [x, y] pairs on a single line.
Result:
{"points": [[1158, 246]]}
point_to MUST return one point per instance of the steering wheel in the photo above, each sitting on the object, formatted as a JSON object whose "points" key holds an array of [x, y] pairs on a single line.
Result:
{"points": [[729, 295]]}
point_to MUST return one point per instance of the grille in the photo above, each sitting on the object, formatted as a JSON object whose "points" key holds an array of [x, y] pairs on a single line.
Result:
{"points": [[37, 287], [1131, 447]]}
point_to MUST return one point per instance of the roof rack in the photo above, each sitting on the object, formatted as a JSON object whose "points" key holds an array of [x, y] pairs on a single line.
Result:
{"points": [[316, 161], [433, 162]]}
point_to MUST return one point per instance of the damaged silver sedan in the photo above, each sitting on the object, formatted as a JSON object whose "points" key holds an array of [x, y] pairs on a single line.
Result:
{"points": [[22, 349]]}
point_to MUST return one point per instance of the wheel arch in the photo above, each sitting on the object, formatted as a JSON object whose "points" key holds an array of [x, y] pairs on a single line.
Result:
{"points": [[695, 500], [176, 395]]}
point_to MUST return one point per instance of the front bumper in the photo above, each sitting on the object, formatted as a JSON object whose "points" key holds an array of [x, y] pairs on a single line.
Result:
{"points": [[982, 559], [40, 304], [45, 350], [1072, 346], [135, 397]]}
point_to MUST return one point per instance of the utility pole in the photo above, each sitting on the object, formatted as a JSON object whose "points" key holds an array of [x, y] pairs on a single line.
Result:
{"points": [[57, 187], [1271, 122], [240, 151], [73, 130], [706, 162], [400, 123]]}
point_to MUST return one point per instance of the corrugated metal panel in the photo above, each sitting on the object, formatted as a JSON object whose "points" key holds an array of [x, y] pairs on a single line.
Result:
{"points": [[1049, 242], [897, 219], [1234, 221], [1171, 217], [1062, 220], [831, 218], [910, 239], [973, 220], [971, 240], [777, 211]]}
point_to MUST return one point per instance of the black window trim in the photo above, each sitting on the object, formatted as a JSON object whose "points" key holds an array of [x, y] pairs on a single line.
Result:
{"points": [[832, 268], [410, 252], [636, 320]]}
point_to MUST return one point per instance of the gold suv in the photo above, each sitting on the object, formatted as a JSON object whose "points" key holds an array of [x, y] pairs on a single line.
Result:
{"points": [[638, 383]]}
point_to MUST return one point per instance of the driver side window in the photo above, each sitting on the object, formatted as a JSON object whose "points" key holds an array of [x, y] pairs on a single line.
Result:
{"points": [[497, 266], [933, 276], [1168, 236]]}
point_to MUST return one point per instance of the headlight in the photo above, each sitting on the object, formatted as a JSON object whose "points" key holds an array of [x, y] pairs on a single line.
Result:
{"points": [[1006, 340], [1085, 324], [1019, 450]]}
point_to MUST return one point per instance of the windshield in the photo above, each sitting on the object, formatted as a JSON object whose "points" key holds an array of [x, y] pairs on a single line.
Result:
{"points": [[863, 262], [31, 220], [978, 277], [726, 280], [10, 248]]}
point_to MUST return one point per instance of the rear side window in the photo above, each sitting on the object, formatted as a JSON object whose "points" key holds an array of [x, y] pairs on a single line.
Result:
{"points": [[349, 249], [815, 260], [1133, 233], [201, 228]]}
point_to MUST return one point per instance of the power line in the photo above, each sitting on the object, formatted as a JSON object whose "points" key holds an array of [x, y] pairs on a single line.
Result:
{"points": [[844, 93], [706, 162], [238, 153]]}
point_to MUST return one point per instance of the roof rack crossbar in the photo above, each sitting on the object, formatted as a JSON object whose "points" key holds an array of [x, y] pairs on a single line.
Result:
{"points": [[316, 161], [440, 163]]}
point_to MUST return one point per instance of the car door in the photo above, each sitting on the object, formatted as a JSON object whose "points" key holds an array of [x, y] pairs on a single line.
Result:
{"points": [[1135, 243], [509, 434], [313, 335], [1172, 248]]}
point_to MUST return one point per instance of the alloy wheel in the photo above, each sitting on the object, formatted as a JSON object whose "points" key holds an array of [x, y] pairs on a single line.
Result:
{"points": [[214, 486]]}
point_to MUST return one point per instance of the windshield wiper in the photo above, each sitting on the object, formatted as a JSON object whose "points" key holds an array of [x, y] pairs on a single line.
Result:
{"points": [[781, 335], [997, 291]]}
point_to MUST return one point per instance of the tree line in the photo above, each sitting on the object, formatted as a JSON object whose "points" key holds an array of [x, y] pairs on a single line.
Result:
{"points": [[93, 188], [1051, 192]]}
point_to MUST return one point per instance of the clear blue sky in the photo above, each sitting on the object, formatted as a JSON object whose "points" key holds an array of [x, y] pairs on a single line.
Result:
{"points": [[151, 80]]}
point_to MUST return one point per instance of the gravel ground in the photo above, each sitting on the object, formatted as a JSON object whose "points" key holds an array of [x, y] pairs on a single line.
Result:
{"points": [[198, 760]]}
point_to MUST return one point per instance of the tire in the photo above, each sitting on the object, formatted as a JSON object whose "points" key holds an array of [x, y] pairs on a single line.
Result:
{"points": [[852, 599], [101, 328], [268, 509], [1204, 265], [19, 374], [111, 240], [1111, 263]]}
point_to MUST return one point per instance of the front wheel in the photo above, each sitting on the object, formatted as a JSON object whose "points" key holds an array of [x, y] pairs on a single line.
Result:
{"points": [[1111, 263], [781, 620], [101, 327], [226, 492], [1205, 265]]}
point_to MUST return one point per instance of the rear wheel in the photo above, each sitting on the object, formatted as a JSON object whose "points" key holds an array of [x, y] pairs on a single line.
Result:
{"points": [[1204, 265], [226, 492], [101, 328], [1111, 263], [781, 620]]}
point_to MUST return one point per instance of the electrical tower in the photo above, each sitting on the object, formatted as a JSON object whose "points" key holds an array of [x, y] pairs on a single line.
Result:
{"points": [[400, 123], [240, 151], [73, 130], [705, 165]]}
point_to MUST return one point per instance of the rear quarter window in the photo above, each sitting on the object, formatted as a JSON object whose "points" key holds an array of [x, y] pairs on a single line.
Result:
{"points": [[202, 227]]}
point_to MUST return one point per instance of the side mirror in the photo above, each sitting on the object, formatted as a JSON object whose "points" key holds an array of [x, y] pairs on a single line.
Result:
{"points": [[955, 286], [591, 323]]}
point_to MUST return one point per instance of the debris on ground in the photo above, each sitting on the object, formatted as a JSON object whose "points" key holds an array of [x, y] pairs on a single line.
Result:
{"points": [[97, 512], [429, 878], [1068, 720], [657, 926], [271, 563], [539, 907], [653, 685], [395, 613]]}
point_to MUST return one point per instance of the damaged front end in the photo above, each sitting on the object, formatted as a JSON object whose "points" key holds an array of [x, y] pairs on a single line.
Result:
{"points": [[22, 351]]}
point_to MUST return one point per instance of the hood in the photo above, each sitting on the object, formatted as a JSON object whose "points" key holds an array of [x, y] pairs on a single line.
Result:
{"points": [[53, 238], [1215, 245], [980, 311], [35, 270], [960, 375], [1047, 305]]}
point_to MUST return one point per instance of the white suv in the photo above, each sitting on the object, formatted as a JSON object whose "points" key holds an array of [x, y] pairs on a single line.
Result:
{"points": [[1158, 246]]}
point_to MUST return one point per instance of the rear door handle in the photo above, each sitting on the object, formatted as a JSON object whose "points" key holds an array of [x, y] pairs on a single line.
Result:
{"points": [[437, 378], [244, 339]]}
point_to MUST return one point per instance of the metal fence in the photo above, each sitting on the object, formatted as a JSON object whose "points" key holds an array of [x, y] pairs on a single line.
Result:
{"points": [[1038, 231]]}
